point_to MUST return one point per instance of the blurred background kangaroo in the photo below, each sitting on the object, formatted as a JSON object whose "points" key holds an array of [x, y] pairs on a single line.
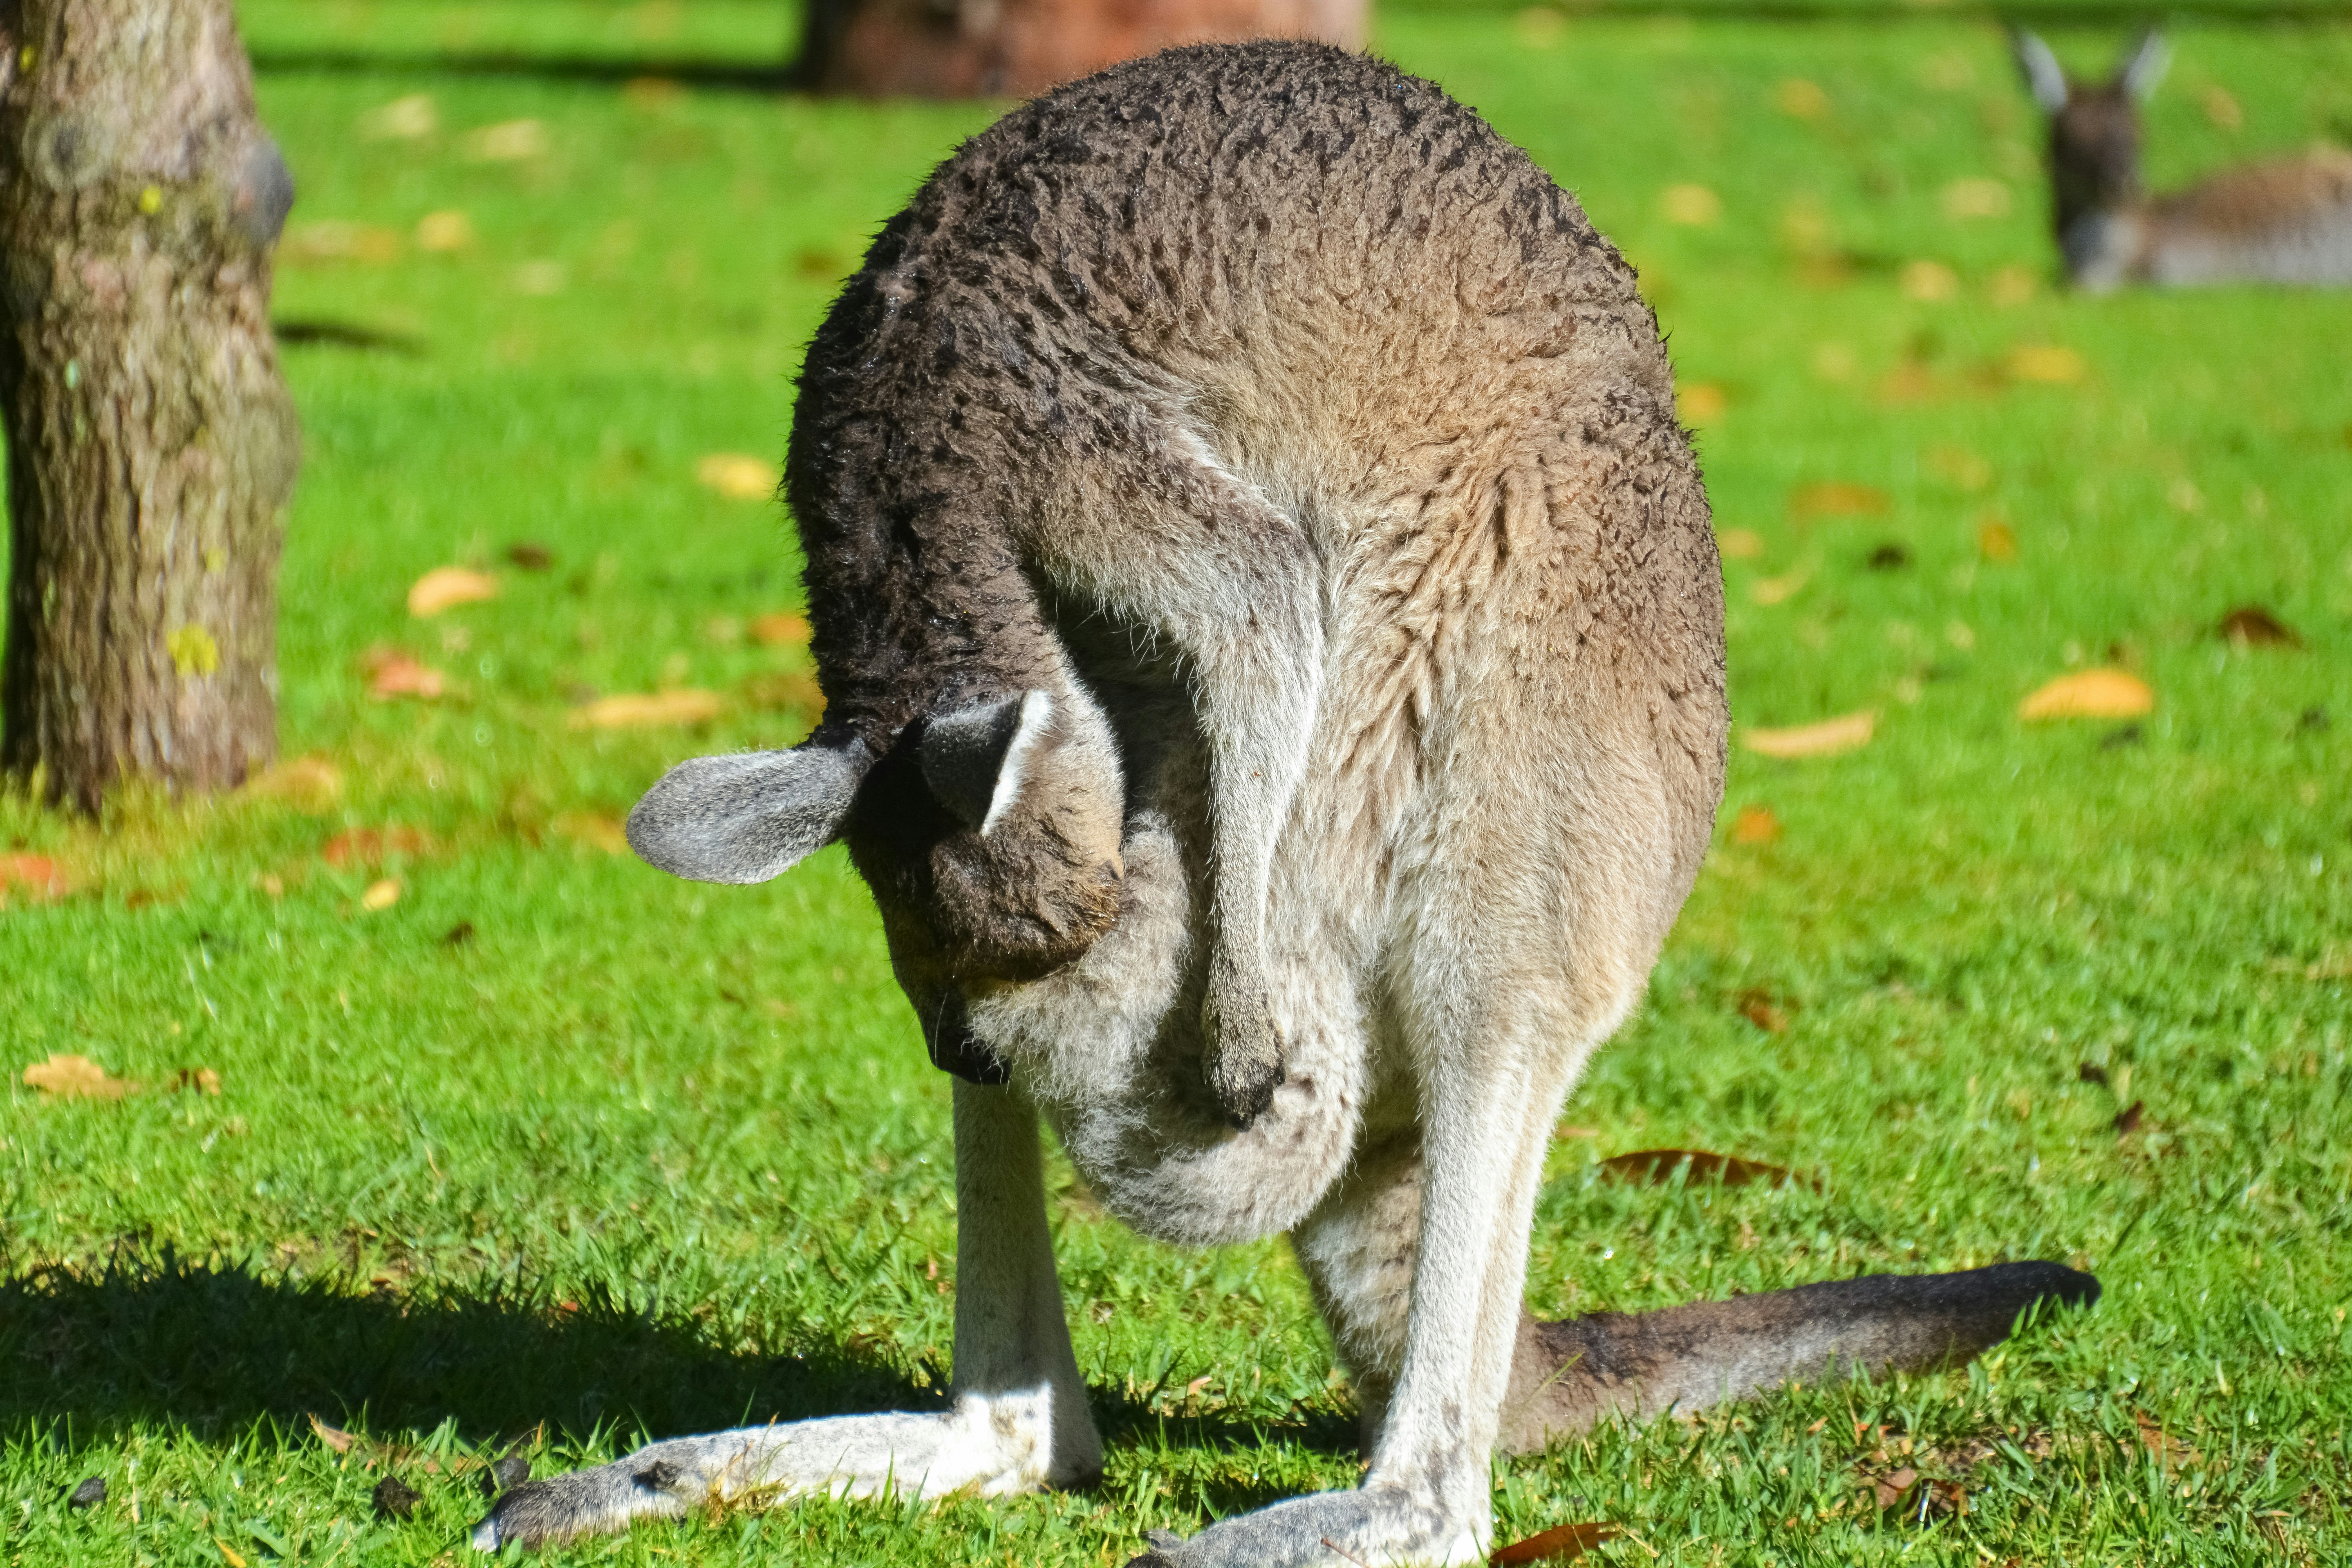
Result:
{"points": [[1273, 641], [2286, 221]]}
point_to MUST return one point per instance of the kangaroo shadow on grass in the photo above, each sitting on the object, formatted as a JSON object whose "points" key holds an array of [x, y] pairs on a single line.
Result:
{"points": [[216, 1349]]}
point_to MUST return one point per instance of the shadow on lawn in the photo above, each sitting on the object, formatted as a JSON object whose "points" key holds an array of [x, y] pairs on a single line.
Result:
{"points": [[160, 1338]]}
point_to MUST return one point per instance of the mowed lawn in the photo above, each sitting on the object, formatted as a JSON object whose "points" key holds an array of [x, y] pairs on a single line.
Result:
{"points": [[516, 1142]]}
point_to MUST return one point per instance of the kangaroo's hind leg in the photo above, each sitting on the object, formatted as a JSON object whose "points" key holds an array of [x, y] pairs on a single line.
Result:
{"points": [[1019, 1420]]}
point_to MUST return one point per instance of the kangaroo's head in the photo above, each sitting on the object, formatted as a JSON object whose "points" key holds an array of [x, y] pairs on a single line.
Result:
{"points": [[989, 831], [2094, 131]]}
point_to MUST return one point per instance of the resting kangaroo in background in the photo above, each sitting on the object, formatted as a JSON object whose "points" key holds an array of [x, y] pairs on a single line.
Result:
{"points": [[2288, 221], [1272, 644]]}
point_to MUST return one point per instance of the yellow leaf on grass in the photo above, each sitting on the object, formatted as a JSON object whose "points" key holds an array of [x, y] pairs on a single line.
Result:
{"points": [[76, 1076], [596, 830], [1827, 737], [1701, 400], [1976, 198], [1929, 281], [1563, 1544], [392, 673], [509, 142], [1755, 824], [2092, 694], [1835, 499], [780, 630], [445, 231], [1740, 543], [633, 710], [1800, 99], [229, 1555], [1780, 590], [382, 894], [311, 780], [2050, 366], [1690, 204], [738, 476], [409, 118], [444, 587], [1998, 541]]}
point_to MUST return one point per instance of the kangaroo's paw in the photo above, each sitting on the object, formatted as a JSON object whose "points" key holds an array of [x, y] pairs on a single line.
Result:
{"points": [[1376, 1527], [993, 1445], [1241, 1048]]}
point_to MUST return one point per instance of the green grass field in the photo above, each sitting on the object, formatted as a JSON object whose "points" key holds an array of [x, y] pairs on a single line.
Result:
{"points": [[554, 1148]]}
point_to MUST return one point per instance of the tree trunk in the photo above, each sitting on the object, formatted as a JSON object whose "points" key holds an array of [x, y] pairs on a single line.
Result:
{"points": [[152, 446], [967, 49]]}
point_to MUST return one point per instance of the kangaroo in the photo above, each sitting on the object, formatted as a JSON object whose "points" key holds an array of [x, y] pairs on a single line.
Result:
{"points": [[1273, 643], [2288, 221]]}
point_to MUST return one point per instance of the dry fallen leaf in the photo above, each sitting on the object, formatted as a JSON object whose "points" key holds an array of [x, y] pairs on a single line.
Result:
{"points": [[368, 845], [1755, 824], [1997, 542], [1657, 1166], [311, 780], [202, 1079], [309, 243], [1554, 1545], [1690, 204], [1825, 739], [738, 476], [1700, 402], [382, 894], [1781, 589], [1928, 282], [632, 710], [2128, 1120], [2220, 106], [76, 1076], [530, 555], [780, 630], [2051, 367], [39, 877], [1835, 499], [1758, 1008], [596, 830], [1890, 1489], [444, 587], [393, 673], [2092, 694], [1740, 543], [443, 232], [2252, 625]]}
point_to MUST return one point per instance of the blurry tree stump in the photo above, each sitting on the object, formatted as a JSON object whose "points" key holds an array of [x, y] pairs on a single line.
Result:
{"points": [[991, 48], [152, 446]]}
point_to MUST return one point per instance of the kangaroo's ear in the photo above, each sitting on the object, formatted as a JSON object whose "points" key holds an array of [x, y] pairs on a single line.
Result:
{"points": [[749, 815], [2145, 66], [2043, 74], [977, 759]]}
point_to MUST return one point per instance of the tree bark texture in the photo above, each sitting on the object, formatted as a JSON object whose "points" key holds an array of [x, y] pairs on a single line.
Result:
{"points": [[152, 445], [967, 48]]}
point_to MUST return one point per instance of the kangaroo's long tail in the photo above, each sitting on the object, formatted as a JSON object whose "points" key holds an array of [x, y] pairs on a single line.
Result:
{"points": [[1567, 1376]]}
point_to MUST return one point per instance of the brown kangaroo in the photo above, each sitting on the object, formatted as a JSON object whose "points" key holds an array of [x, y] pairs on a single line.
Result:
{"points": [[2287, 221], [1273, 641]]}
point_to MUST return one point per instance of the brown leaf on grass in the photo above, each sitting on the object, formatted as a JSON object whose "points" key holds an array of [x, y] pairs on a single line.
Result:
{"points": [[334, 240], [1755, 824], [791, 689], [2045, 365], [1997, 542], [595, 829], [39, 877], [1835, 499], [372, 1452], [309, 780], [1891, 1490], [203, 1080], [1758, 1008], [2092, 694], [76, 1078], [1657, 1166], [530, 555], [2171, 1453], [1557, 1545], [647, 710], [369, 845], [2128, 1120], [382, 894], [738, 476], [446, 586], [1825, 739], [780, 630], [2252, 625], [391, 672]]}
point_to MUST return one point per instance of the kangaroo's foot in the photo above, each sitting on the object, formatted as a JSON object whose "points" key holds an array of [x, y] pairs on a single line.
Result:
{"points": [[993, 1447], [1241, 1048], [1385, 1525], [1568, 1377]]}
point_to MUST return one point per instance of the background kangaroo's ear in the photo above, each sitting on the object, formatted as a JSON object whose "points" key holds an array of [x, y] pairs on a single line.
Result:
{"points": [[2145, 66], [976, 758], [2043, 74], [749, 815]]}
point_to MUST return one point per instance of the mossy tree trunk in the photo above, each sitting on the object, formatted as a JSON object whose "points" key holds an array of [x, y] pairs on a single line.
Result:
{"points": [[152, 445], [1003, 48]]}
